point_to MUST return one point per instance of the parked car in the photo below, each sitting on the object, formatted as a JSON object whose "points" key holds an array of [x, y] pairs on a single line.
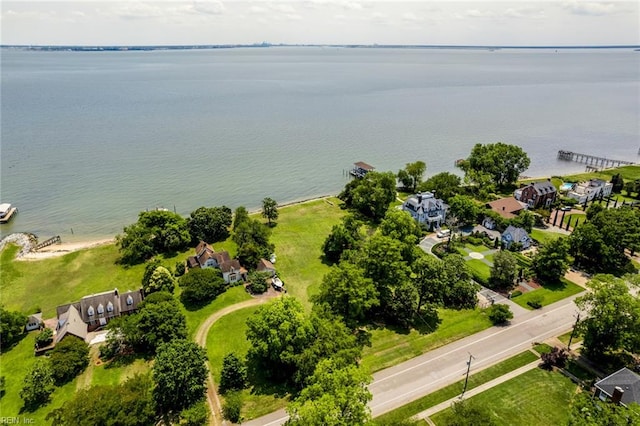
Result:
{"points": [[565, 208], [443, 233]]}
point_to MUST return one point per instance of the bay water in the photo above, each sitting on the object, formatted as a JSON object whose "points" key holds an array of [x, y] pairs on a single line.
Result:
{"points": [[90, 139]]}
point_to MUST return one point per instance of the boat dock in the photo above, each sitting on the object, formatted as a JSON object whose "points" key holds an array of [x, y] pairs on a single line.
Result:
{"points": [[7, 213], [49, 242], [592, 161]]}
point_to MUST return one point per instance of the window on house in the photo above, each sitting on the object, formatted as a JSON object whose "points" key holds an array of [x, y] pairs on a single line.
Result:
{"points": [[110, 307], [100, 309], [90, 311]]}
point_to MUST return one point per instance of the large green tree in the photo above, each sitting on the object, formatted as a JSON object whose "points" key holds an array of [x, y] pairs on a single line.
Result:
{"points": [[180, 374], [613, 316], [161, 280], [38, 385], [348, 292], [209, 224], [155, 232], [130, 403], [399, 225], [445, 185], [12, 325], [270, 209], [343, 236], [336, 395], [68, 359], [252, 238], [371, 195], [552, 260], [233, 375], [463, 208], [411, 175], [201, 286], [589, 411], [160, 323], [504, 270], [503, 163]]}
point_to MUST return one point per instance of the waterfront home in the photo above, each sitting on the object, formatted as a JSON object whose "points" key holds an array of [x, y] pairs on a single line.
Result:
{"points": [[513, 235], [426, 209], [586, 191], [207, 257], [537, 194], [508, 207], [233, 272]]}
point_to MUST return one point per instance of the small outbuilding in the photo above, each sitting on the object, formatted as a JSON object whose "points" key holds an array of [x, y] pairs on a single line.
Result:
{"points": [[34, 322]]}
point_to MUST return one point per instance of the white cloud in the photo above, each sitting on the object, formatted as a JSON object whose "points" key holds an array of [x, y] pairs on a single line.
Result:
{"points": [[476, 13], [209, 7], [590, 8], [411, 17]]}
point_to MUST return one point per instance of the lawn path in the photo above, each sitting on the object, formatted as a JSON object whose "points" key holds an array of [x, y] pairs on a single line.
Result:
{"points": [[201, 339]]}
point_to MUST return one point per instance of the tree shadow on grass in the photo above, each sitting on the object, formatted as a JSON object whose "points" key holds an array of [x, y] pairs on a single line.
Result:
{"points": [[122, 360], [262, 383]]}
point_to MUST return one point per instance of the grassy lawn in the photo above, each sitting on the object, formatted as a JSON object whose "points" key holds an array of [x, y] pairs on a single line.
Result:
{"points": [[390, 347], [550, 293], [298, 237], [566, 336], [228, 335], [627, 173], [537, 397], [477, 248], [572, 217], [544, 237], [230, 297], [480, 270], [454, 389]]}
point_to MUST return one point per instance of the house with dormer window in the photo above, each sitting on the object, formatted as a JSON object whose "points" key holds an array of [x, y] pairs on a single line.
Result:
{"points": [[426, 209], [537, 194], [207, 257]]}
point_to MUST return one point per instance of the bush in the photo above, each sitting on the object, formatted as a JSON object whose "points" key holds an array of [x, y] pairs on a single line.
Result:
{"points": [[499, 313], [231, 407], [258, 282], [181, 268], [44, 338], [196, 415], [68, 359], [556, 358], [516, 294], [535, 302], [234, 374]]}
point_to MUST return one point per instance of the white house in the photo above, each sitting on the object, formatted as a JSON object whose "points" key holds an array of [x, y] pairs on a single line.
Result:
{"points": [[426, 209], [587, 191], [34, 322]]}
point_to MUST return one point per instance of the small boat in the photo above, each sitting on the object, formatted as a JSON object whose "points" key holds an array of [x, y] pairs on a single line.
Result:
{"points": [[6, 212]]}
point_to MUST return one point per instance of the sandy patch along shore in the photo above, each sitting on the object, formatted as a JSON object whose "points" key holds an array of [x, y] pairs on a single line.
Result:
{"points": [[56, 250]]}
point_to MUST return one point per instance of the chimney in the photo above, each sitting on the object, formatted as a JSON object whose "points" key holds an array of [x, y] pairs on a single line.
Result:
{"points": [[420, 198], [502, 208], [618, 392]]}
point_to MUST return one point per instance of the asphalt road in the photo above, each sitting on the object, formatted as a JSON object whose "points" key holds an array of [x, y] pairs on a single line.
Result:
{"points": [[403, 383]]}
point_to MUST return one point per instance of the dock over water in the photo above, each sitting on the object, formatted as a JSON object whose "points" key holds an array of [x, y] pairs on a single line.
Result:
{"points": [[592, 161]]}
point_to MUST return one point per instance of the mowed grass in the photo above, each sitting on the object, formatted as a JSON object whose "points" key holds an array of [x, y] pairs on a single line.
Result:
{"points": [[298, 236], [627, 172], [550, 293], [544, 237], [45, 284], [480, 270], [228, 335], [537, 397], [230, 297], [571, 219], [390, 347], [455, 389]]}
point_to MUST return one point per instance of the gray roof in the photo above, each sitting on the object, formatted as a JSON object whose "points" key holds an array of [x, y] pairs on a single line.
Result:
{"points": [[517, 234], [627, 380], [71, 323], [424, 202], [111, 303], [544, 187]]}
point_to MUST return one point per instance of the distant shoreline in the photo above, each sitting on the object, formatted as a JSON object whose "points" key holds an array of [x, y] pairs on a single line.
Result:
{"points": [[121, 48]]}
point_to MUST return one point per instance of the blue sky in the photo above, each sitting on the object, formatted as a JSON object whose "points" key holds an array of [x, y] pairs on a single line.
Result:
{"points": [[479, 22]]}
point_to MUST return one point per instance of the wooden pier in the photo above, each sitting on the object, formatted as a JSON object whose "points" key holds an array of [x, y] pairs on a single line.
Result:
{"points": [[50, 241], [592, 161], [6, 218]]}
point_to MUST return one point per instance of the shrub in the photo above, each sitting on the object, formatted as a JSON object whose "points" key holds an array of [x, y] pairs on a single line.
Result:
{"points": [[516, 294], [557, 357], [258, 282], [68, 359], [196, 415], [233, 375], [231, 407], [535, 302], [499, 313], [44, 338], [181, 268]]}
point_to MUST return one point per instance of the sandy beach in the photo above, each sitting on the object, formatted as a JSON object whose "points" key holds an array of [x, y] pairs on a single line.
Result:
{"points": [[56, 250]]}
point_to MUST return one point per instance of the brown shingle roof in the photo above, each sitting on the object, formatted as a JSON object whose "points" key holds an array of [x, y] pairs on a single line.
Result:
{"points": [[506, 207], [364, 166], [265, 265]]}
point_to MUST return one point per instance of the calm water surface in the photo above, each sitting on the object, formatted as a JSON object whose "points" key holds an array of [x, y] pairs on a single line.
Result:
{"points": [[89, 139]]}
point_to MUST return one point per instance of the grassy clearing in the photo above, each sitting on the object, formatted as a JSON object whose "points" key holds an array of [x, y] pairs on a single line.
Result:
{"points": [[542, 348], [230, 297], [537, 397], [550, 293], [627, 173], [544, 237], [298, 237], [571, 219], [390, 347], [454, 389], [480, 270], [566, 336], [228, 335]]}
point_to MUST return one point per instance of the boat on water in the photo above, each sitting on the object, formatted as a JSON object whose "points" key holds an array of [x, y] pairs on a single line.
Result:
{"points": [[6, 212]]}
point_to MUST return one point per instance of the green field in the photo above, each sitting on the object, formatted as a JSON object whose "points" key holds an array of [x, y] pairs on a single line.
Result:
{"points": [[298, 237], [627, 172], [390, 347], [544, 237], [411, 409], [571, 219], [550, 293], [537, 397]]}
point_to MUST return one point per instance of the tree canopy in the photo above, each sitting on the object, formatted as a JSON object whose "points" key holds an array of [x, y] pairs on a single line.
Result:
{"points": [[336, 395], [501, 163], [68, 359], [159, 323], [270, 209], [209, 224], [155, 232], [160, 280], [38, 385], [12, 325], [343, 236], [504, 270], [201, 286], [589, 411], [613, 316], [411, 175], [180, 373], [464, 208], [370, 195], [552, 260], [252, 238], [445, 185]]}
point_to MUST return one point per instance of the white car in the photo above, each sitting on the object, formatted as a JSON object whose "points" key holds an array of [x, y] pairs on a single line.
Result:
{"points": [[443, 233]]}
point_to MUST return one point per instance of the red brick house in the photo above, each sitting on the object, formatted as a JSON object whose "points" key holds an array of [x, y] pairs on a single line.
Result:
{"points": [[537, 194]]}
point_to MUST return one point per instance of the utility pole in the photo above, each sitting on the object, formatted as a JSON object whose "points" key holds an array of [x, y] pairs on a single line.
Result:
{"points": [[466, 380], [574, 330]]}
